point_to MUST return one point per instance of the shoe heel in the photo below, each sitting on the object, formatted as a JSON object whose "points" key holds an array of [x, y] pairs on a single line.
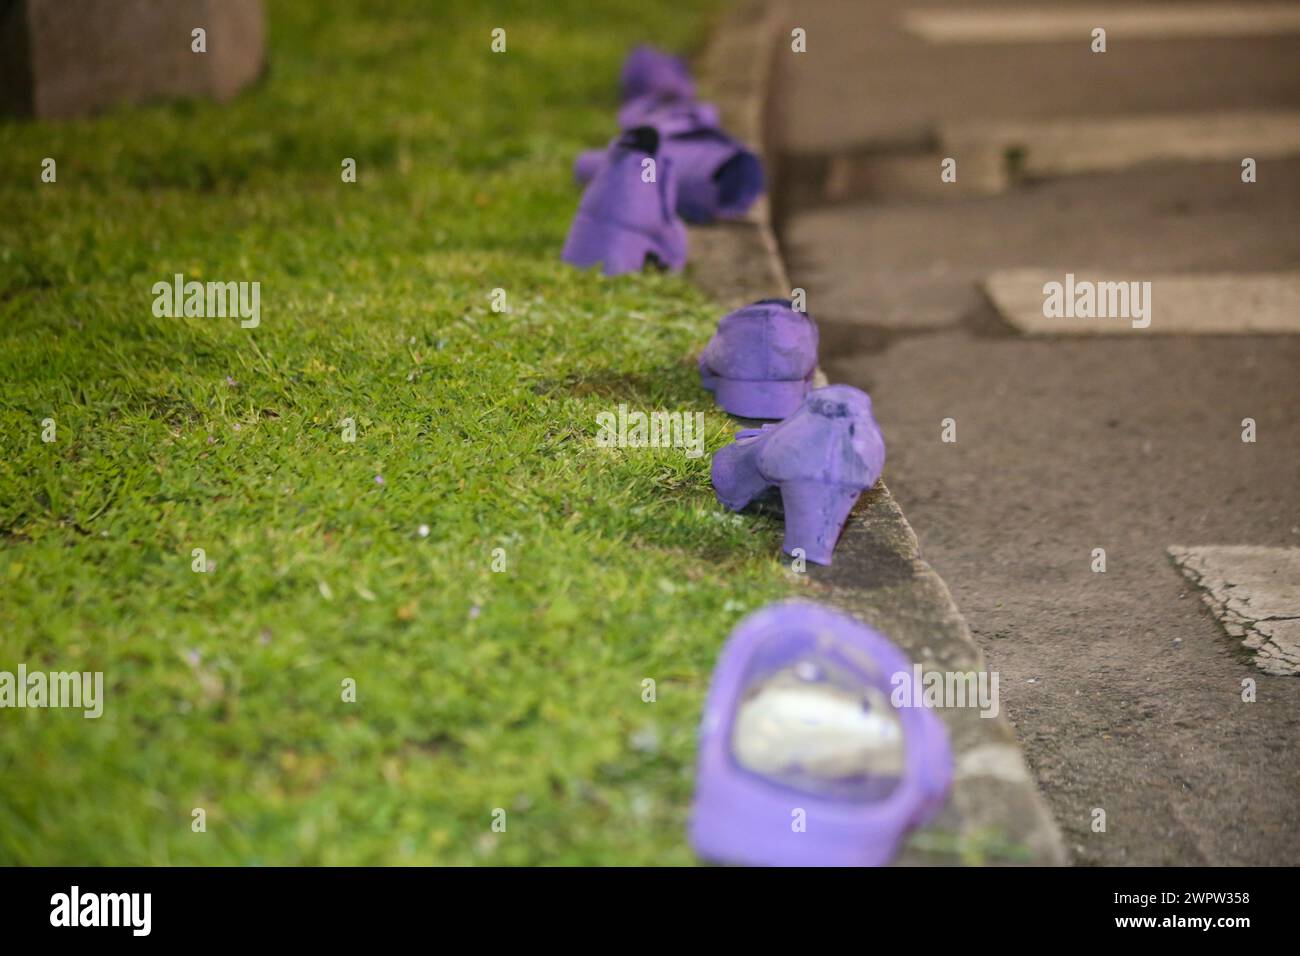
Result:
{"points": [[772, 399], [735, 475], [815, 513]]}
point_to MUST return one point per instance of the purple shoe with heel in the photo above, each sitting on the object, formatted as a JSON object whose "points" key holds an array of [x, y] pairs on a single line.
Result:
{"points": [[821, 458], [760, 362], [804, 760]]}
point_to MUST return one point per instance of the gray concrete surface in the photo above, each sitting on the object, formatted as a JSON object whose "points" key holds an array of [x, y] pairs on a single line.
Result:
{"points": [[1001, 151], [909, 264], [1123, 688]]}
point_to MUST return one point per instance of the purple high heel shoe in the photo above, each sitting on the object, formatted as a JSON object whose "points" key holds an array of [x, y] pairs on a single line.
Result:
{"points": [[760, 363], [717, 178], [650, 71], [623, 221], [821, 458], [804, 760]]}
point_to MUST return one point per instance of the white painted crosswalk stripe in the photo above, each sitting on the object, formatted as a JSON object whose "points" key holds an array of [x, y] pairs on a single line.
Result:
{"points": [[1228, 304], [1167, 21]]}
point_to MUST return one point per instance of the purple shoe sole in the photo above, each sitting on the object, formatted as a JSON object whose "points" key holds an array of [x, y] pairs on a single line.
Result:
{"points": [[750, 399]]}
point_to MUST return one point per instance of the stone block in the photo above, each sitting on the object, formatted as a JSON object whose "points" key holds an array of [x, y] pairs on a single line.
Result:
{"points": [[62, 58]]}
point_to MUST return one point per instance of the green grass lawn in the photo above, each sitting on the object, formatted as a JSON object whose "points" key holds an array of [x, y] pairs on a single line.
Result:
{"points": [[475, 690]]}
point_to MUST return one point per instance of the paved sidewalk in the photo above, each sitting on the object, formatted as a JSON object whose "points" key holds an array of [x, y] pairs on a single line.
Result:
{"points": [[907, 264], [1124, 689]]}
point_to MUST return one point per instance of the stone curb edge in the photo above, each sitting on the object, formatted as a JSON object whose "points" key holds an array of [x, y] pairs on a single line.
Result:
{"points": [[995, 813]]}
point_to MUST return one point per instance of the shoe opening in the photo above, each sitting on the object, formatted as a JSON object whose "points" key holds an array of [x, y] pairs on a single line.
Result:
{"points": [[739, 182], [645, 139]]}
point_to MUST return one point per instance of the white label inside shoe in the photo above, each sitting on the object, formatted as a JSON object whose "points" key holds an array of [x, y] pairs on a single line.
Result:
{"points": [[800, 728]]}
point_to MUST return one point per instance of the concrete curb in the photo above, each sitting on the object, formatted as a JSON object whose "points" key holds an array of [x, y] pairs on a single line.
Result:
{"points": [[995, 814]]}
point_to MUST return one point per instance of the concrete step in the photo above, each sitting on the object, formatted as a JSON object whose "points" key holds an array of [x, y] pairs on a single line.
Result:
{"points": [[1226, 304], [993, 154], [1076, 23]]}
